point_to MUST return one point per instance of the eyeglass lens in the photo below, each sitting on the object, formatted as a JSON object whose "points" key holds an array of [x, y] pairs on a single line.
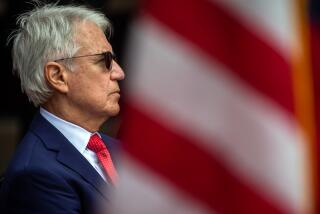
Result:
{"points": [[108, 57]]}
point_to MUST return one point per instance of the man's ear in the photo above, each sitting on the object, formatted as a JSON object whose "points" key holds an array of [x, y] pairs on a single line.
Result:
{"points": [[56, 76]]}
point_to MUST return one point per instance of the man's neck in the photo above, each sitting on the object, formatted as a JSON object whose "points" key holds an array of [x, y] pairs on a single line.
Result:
{"points": [[82, 119]]}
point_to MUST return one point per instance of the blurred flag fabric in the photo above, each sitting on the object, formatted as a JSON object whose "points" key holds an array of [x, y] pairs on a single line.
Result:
{"points": [[219, 109], [314, 38]]}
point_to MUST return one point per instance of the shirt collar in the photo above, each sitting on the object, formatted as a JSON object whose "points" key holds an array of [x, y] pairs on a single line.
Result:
{"points": [[78, 136]]}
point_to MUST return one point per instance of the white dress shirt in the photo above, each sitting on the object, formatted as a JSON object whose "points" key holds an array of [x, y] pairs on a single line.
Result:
{"points": [[77, 136]]}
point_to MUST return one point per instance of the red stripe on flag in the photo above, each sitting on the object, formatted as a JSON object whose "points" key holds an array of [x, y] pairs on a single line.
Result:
{"points": [[315, 54], [224, 38], [191, 169]]}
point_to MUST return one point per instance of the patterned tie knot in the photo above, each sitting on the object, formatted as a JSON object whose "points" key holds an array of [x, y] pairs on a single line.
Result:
{"points": [[96, 144]]}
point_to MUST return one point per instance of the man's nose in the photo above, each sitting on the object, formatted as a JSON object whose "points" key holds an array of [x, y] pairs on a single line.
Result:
{"points": [[117, 73]]}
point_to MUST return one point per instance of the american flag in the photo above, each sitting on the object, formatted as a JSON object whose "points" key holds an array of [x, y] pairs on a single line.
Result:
{"points": [[220, 114]]}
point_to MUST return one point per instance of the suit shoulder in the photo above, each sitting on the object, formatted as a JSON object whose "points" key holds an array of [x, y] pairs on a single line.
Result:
{"points": [[29, 154]]}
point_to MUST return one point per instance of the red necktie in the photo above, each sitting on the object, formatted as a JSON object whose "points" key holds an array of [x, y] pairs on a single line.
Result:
{"points": [[96, 145]]}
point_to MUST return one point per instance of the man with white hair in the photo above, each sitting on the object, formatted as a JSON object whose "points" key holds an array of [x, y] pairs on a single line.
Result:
{"points": [[66, 67]]}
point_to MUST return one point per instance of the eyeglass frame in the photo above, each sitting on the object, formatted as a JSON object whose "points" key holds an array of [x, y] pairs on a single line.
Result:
{"points": [[108, 55]]}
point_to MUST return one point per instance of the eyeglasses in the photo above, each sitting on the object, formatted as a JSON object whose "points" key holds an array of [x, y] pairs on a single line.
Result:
{"points": [[108, 58]]}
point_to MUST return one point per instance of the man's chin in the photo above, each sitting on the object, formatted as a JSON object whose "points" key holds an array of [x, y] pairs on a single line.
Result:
{"points": [[114, 111]]}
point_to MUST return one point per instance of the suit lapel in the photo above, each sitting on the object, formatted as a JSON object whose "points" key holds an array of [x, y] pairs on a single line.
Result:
{"points": [[67, 154], [71, 158]]}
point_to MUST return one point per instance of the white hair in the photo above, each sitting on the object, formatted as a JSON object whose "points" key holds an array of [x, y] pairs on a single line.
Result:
{"points": [[45, 34]]}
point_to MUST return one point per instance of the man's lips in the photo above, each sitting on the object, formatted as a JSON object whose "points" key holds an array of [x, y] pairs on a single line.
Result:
{"points": [[116, 92]]}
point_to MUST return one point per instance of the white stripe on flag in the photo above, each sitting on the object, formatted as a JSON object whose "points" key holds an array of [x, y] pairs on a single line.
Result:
{"points": [[272, 20], [142, 192]]}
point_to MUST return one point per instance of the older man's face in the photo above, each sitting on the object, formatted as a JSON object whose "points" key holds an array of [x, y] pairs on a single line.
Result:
{"points": [[93, 89]]}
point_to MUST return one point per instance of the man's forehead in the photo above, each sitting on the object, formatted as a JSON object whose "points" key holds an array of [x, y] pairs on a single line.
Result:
{"points": [[91, 38]]}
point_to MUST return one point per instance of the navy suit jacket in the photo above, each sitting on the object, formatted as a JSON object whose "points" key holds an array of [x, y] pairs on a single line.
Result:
{"points": [[48, 175]]}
